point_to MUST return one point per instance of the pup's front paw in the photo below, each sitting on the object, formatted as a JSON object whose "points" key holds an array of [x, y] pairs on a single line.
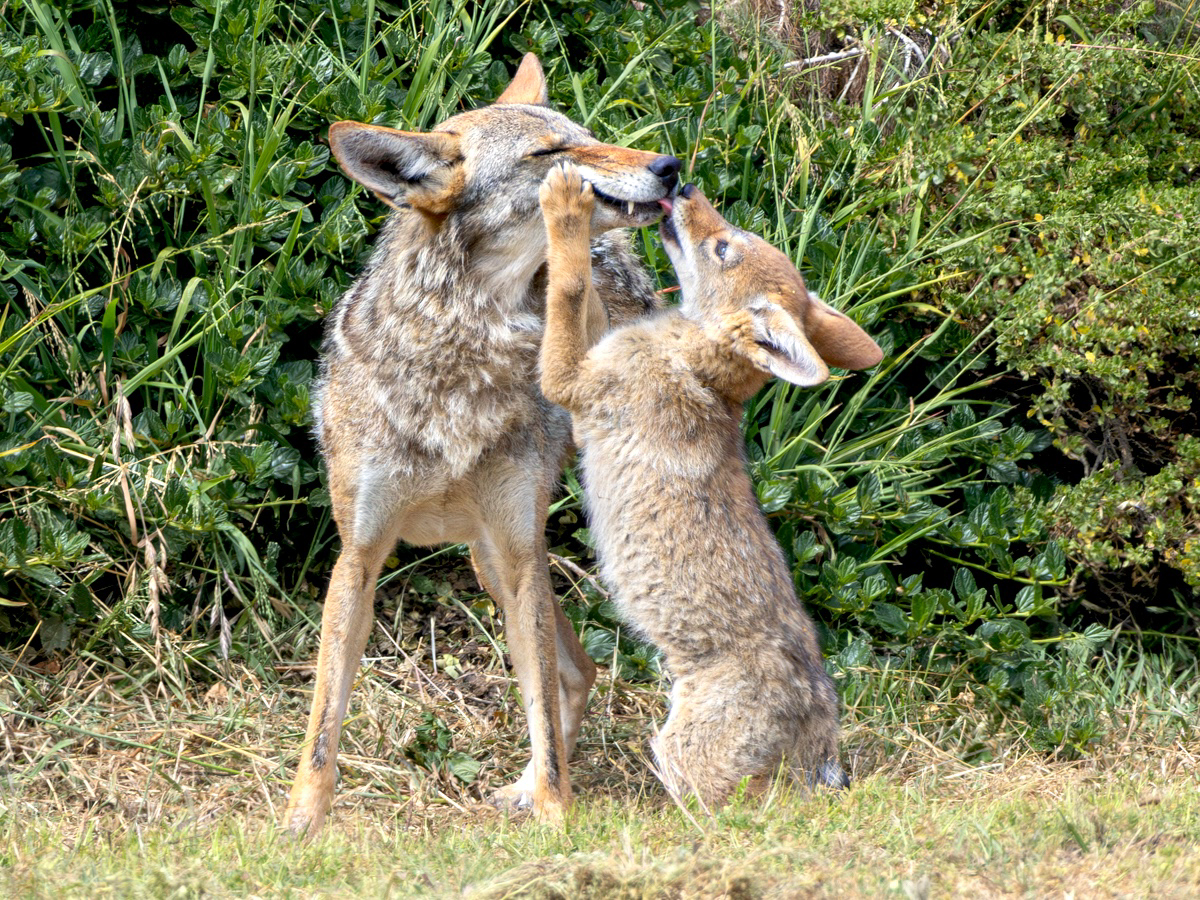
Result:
{"points": [[567, 201], [738, 328]]}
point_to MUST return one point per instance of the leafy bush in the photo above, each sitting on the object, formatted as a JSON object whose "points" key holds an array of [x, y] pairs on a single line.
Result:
{"points": [[1071, 152], [172, 231]]}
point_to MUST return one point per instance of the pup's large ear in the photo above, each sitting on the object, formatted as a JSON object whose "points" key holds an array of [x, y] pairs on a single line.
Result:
{"points": [[528, 85], [837, 339], [419, 169], [781, 347]]}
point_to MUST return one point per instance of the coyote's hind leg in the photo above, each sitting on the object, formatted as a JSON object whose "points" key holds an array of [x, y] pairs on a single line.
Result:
{"points": [[553, 672], [576, 675]]}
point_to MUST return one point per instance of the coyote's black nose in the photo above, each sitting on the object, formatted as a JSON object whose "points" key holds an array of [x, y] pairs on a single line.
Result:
{"points": [[687, 190], [667, 168]]}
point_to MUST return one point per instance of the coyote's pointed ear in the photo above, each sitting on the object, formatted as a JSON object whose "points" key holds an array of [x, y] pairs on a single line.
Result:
{"points": [[837, 339], [528, 85], [781, 347], [401, 166]]}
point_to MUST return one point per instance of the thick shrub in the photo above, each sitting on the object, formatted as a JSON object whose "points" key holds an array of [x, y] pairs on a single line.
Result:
{"points": [[172, 231], [1044, 163], [1074, 155]]}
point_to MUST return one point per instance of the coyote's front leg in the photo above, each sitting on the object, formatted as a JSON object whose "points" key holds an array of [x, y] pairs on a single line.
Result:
{"points": [[567, 204]]}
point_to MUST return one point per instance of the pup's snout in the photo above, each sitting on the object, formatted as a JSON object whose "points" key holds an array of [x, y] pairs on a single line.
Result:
{"points": [[687, 190], [667, 169]]}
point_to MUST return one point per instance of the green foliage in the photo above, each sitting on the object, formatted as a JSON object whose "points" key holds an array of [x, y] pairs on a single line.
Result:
{"points": [[172, 234], [1070, 154], [172, 231], [432, 748]]}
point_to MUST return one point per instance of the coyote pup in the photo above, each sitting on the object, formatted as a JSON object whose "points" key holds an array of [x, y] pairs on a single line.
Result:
{"points": [[428, 410], [656, 407]]}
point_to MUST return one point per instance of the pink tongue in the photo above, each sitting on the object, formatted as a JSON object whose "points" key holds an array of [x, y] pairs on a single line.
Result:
{"points": [[665, 203]]}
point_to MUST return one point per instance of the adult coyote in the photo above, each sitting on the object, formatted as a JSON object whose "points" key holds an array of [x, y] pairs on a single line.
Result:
{"points": [[428, 411], [657, 407]]}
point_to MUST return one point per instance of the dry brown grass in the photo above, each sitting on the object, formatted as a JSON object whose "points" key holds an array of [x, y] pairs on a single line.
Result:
{"points": [[122, 786], [81, 742], [840, 60], [152, 791]]}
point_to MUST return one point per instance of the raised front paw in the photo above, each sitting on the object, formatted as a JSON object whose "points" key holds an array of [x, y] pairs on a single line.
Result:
{"points": [[567, 202], [739, 329]]}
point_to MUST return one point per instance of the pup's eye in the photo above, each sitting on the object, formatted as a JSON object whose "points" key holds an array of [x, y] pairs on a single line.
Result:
{"points": [[548, 151], [719, 248]]}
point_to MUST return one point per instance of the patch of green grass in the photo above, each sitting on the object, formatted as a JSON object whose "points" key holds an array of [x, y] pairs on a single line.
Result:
{"points": [[129, 795], [1127, 829]]}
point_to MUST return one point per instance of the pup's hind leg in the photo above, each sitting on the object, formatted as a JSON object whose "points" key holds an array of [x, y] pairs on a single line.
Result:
{"points": [[712, 739], [813, 756], [827, 774]]}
